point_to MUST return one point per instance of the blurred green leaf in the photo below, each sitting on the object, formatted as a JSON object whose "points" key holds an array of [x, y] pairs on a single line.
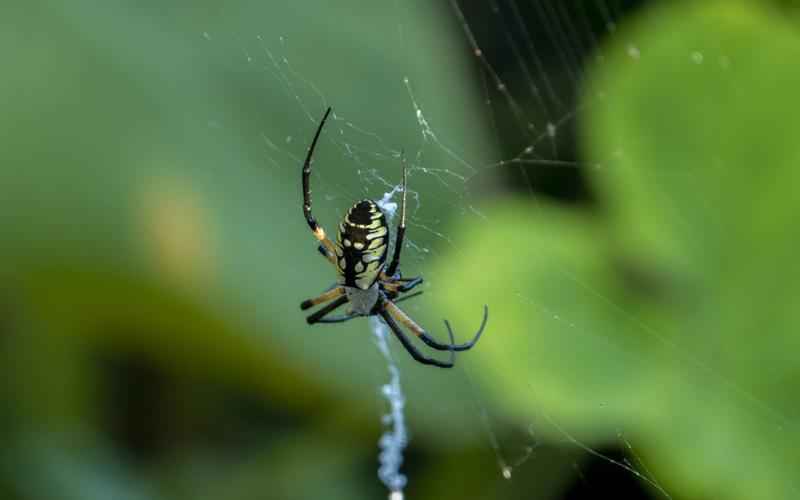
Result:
{"points": [[135, 160], [145, 207], [674, 315]]}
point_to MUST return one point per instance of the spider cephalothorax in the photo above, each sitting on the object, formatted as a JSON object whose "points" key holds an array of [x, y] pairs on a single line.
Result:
{"points": [[365, 282]]}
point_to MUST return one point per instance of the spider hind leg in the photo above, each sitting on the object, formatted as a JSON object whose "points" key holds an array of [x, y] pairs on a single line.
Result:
{"points": [[420, 332], [413, 351]]}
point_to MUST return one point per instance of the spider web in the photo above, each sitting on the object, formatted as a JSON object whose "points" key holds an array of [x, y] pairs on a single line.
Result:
{"points": [[528, 62]]}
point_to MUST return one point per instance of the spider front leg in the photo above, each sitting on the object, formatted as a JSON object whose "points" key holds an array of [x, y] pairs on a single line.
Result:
{"points": [[316, 229], [418, 356], [409, 323], [324, 252], [401, 228], [318, 316], [336, 291], [337, 295]]}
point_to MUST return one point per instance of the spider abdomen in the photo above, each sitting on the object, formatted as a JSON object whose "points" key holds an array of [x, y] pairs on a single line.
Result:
{"points": [[361, 249]]}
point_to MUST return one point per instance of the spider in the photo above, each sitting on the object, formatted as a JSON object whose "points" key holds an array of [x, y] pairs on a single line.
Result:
{"points": [[370, 287]]}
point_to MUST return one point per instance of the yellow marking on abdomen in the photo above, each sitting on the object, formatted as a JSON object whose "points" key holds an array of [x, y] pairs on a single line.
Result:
{"points": [[381, 231]]}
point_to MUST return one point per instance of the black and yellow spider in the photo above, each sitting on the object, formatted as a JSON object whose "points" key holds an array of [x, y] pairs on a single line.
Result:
{"points": [[359, 255]]}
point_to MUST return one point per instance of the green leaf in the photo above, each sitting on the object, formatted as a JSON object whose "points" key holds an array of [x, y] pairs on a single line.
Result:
{"points": [[674, 315], [151, 200], [135, 159]]}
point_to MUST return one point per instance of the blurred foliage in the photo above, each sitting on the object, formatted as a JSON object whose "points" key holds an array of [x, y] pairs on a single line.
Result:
{"points": [[153, 255], [672, 313], [154, 252]]}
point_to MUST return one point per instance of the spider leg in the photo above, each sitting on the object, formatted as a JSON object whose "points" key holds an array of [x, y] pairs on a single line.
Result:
{"points": [[397, 278], [348, 317], [340, 319], [319, 233], [405, 297], [405, 280], [325, 297], [317, 316], [418, 356], [324, 252], [409, 323], [401, 228], [405, 285]]}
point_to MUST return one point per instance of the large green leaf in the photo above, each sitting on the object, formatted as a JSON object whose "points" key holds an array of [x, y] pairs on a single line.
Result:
{"points": [[146, 207], [674, 315], [135, 158]]}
